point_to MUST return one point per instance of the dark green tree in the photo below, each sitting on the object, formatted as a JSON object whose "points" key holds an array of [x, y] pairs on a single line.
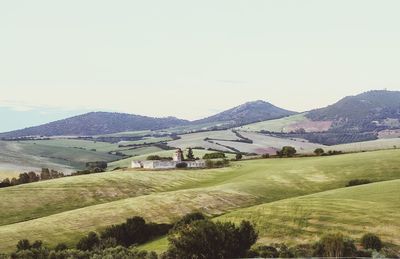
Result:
{"points": [[319, 151], [239, 156], [61, 247], [23, 244], [89, 242], [188, 219], [287, 151], [207, 239], [45, 174], [23, 178], [371, 241], [190, 155]]}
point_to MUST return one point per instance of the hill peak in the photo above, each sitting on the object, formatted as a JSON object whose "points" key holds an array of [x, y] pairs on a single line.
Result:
{"points": [[248, 112]]}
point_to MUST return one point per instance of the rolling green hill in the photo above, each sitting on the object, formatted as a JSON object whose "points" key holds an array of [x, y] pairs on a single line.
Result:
{"points": [[353, 211], [64, 209]]}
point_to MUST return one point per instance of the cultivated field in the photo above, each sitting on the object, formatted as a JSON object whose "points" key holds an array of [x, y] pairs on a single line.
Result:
{"points": [[62, 210], [288, 124], [198, 140], [224, 141]]}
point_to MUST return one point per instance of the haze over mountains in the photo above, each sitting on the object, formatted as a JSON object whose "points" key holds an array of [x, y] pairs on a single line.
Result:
{"points": [[368, 111]]}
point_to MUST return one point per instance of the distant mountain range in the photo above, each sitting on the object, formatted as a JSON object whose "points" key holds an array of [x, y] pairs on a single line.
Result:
{"points": [[96, 123], [368, 111]]}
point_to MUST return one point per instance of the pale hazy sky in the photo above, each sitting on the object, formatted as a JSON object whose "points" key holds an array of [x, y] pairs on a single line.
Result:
{"points": [[194, 58]]}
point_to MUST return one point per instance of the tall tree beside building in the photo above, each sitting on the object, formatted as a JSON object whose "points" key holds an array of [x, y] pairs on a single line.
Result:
{"points": [[190, 155]]}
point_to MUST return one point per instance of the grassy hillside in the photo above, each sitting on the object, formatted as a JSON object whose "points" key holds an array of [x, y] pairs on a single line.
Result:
{"points": [[390, 143], [61, 154], [76, 143], [353, 211], [14, 158], [64, 209]]}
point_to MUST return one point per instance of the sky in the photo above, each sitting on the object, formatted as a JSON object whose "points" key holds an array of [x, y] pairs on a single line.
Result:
{"points": [[190, 59]]}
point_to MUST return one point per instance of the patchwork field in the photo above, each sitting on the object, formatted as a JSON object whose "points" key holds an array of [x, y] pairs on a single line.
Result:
{"points": [[67, 208], [288, 124], [227, 141], [199, 140], [266, 144]]}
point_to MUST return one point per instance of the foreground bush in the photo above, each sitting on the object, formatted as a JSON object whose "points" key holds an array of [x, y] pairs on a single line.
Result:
{"points": [[335, 245], [371, 241], [206, 239], [134, 231]]}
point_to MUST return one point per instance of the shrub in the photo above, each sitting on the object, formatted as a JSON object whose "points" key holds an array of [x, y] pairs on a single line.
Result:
{"points": [[207, 239], [265, 252], [61, 247], [89, 242], [371, 241], [23, 244], [156, 157], [265, 155], [335, 245], [319, 151], [134, 231], [181, 165], [287, 151], [97, 164], [239, 156], [189, 218], [355, 182], [214, 155], [217, 164]]}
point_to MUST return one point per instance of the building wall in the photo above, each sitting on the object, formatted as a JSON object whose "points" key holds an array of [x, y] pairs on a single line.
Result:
{"points": [[157, 164]]}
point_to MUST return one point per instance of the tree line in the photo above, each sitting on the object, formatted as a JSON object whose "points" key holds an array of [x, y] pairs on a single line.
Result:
{"points": [[31, 177], [47, 174]]}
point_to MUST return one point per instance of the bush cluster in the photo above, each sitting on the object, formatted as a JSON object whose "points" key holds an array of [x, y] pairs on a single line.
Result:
{"points": [[215, 155], [355, 182], [203, 239], [217, 164], [157, 157], [334, 245]]}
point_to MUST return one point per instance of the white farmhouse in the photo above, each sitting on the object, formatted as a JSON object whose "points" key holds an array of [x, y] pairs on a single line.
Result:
{"points": [[167, 164]]}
